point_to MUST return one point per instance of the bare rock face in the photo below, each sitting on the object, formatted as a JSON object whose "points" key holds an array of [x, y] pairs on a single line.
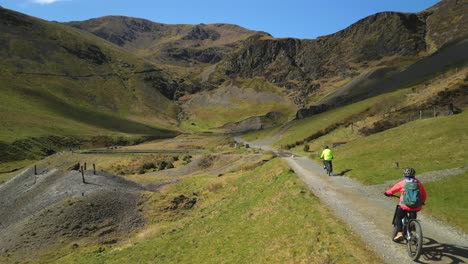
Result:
{"points": [[446, 22], [200, 33], [255, 123], [312, 110], [372, 38], [386, 34]]}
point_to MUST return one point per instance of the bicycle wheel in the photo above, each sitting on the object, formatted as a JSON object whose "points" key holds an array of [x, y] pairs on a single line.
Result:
{"points": [[415, 240], [327, 165]]}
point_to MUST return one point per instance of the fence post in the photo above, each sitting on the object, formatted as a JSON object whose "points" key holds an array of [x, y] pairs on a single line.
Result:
{"points": [[82, 175], [94, 169], [85, 166], [35, 170], [435, 114], [420, 114]]}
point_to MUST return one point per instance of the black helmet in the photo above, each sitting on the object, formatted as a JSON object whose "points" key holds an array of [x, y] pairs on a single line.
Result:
{"points": [[326, 146], [409, 172]]}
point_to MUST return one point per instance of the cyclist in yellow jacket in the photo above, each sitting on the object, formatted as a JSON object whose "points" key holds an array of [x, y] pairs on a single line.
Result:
{"points": [[327, 156]]}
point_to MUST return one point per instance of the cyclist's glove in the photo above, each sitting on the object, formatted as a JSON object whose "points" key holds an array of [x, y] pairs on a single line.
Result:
{"points": [[386, 194]]}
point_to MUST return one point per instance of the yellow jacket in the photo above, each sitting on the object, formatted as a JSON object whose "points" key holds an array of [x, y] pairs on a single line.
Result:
{"points": [[327, 154]]}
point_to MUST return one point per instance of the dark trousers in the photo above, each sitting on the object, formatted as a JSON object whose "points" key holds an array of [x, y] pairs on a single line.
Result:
{"points": [[400, 214], [329, 162]]}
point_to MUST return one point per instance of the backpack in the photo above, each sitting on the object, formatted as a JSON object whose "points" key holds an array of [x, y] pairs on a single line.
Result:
{"points": [[412, 196]]}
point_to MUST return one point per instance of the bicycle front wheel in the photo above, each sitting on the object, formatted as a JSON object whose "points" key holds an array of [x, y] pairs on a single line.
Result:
{"points": [[415, 240]]}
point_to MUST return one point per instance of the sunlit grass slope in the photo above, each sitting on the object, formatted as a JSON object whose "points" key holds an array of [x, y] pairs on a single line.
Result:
{"points": [[261, 215], [301, 129], [426, 145], [447, 200]]}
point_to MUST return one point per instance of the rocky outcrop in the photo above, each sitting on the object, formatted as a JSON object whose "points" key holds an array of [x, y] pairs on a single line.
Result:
{"points": [[209, 55], [294, 63], [372, 38], [200, 33], [312, 110], [446, 23], [271, 119], [90, 53]]}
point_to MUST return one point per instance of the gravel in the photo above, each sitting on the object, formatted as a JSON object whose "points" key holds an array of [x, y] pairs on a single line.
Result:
{"points": [[369, 213]]}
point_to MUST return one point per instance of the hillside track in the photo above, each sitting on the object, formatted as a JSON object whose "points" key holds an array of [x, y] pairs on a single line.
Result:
{"points": [[369, 214]]}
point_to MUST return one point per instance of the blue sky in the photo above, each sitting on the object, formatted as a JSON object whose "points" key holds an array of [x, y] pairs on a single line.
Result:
{"points": [[281, 18]]}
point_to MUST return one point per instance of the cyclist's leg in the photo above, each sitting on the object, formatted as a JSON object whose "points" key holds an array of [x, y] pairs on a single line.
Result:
{"points": [[400, 214], [327, 164], [331, 165]]}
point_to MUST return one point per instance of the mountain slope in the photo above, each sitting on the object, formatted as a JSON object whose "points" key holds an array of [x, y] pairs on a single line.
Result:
{"points": [[56, 80], [172, 44], [318, 67]]}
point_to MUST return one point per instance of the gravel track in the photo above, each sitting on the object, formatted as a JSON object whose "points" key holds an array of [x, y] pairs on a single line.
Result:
{"points": [[369, 213]]}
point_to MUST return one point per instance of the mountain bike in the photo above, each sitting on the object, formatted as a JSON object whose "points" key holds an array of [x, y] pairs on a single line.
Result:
{"points": [[412, 233], [327, 167]]}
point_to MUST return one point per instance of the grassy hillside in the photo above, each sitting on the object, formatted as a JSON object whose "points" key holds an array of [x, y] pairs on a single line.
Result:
{"points": [[59, 81], [426, 145], [448, 198], [326, 122], [258, 214], [234, 101]]}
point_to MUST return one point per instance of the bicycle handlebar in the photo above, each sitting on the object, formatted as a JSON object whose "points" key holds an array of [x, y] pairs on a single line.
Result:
{"points": [[392, 195]]}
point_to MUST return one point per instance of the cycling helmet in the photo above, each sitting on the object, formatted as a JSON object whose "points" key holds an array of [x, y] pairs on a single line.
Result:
{"points": [[409, 172]]}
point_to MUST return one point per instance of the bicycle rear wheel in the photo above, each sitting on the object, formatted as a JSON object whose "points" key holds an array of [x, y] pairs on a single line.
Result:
{"points": [[328, 168], [415, 240]]}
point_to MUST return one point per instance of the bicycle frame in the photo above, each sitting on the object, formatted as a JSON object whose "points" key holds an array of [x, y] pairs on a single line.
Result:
{"points": [[412, 233]]}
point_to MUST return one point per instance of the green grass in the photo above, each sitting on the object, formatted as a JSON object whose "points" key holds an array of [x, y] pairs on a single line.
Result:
{"points": [[261, 134], [57, 80], [306, 127], [256, 98], [266, 215], [342, 135], [206, 118], [426, 145], [447, 199]]}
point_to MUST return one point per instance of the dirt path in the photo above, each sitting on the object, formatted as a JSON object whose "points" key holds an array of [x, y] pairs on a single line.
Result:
{"points": [[368, 212]]}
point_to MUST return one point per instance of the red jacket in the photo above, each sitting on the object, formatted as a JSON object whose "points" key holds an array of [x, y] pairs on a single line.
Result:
{"points": [[399, 187]]}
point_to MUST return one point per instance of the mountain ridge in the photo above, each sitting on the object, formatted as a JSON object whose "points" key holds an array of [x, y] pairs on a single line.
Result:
{"points": [[145, 71]]}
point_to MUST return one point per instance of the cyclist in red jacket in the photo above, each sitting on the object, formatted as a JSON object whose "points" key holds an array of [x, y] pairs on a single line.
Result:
{"points": [[409, 174]]}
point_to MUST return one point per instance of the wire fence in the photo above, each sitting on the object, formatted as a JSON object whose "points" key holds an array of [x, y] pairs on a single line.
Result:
{"points": [[431, 112]]}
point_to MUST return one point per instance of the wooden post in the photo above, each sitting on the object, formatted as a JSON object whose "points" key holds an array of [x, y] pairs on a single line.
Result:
{"points": [[35, 170], [420, 114], [85, 166], [82, 175], [94, 169], [435, 114]]}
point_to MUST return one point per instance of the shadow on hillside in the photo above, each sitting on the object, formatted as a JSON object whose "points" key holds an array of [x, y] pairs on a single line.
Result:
{"points": [[94, 118], [342, 173], [434, 251], [385, 80]]}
